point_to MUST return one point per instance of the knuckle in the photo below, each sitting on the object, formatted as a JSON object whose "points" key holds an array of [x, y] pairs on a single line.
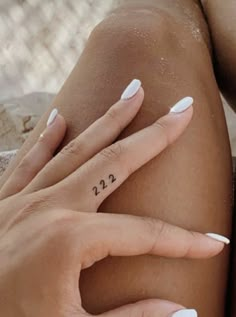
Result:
{"points": [[162, 131], [68, 228], [156, 229], [113, 152], [151, 225], [31, 205], [145, 313], [146, 309], [62, 228], [25, 164], [58, 237], [189, 245], [73, 149], [39, 202], [160, 228], [113, 116]]}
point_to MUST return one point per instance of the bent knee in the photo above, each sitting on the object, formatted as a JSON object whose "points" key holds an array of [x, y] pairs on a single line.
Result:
{"points": [[136, 30], [147, 31]]}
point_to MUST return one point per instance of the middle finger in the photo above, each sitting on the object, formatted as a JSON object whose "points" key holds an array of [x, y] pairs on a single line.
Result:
{"points": [[99, 135]]}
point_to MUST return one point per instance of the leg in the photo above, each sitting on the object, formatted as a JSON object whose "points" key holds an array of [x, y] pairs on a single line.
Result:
{"points": [[190, 184], [222, 23]]}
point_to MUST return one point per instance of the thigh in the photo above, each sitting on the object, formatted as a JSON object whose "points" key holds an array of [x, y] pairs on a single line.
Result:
{"points": [[165, 46], [222, 24], [189, 184]]}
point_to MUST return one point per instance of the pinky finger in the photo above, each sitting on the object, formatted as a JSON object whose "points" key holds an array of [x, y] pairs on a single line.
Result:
{"points": [[40, 154]]}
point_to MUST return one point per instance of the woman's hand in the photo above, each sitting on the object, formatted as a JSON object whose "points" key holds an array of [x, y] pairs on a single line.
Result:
{"points": [[83, 174], [49, 227], [43, 254]]}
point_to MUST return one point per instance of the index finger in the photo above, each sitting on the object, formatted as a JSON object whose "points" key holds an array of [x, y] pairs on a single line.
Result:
{"points": [[127, 235]]}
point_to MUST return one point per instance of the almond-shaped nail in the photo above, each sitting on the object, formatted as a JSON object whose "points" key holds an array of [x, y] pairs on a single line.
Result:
{"points": [[182, 105], [52, 116], [218, 237], [185, 313], [131, 90]]}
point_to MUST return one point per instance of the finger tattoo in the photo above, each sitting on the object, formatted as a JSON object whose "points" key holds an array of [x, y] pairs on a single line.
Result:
{"points": [[103, 185]]}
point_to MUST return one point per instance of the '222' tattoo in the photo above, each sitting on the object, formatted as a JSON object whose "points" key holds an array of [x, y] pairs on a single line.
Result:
{"points": [[103, 184]]}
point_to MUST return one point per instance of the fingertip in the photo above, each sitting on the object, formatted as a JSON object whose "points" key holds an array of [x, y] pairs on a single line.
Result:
{"points": [[149, 307], [188, 114], [54, 133], [206, 247], [61, 123], [215, 246], [217, 249], [183, 109], [130, 106], [57, 127], [141, 92], [137, 97], [182, 105], [160, 307], [176, 123], [133, 91]]}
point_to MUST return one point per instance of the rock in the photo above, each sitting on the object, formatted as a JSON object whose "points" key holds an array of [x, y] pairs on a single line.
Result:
{"points": [[5, 158], [9, 136], [19, 116]]}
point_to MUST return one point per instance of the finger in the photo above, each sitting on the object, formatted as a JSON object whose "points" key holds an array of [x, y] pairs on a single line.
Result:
{"points": [[108, 236], [99, 135], [151, 307], [99, 177], [40, 154]]}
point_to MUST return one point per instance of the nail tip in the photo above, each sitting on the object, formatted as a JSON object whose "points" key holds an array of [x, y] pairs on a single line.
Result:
{"points": [[131, 90], [182, 105], [186, 313], [219, 238], [52, 116]]}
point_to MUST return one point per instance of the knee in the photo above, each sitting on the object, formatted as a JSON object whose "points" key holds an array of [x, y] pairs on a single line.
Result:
{"points": [[143, 33], [135, 30]]}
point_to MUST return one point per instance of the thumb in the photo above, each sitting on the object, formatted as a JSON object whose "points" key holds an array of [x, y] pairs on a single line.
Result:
{"points": [[149, 308]]}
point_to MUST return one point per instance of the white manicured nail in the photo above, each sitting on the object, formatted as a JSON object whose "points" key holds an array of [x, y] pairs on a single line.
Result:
{"points": [[218, 237], [132, 89], [52, 116], [185, 313], [182, 105]]}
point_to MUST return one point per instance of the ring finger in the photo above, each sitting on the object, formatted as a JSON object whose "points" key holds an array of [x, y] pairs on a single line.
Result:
{"points": [[92, 183]]}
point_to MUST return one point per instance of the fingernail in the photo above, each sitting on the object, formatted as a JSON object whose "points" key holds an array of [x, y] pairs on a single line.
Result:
{"points": [[52, 116], [182, 105], [131, 90], [218, 237], [185, 313]]}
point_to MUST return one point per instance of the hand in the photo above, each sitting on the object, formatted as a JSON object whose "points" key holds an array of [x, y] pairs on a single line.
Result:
{"points": [[43, 254], [48, 209]]}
